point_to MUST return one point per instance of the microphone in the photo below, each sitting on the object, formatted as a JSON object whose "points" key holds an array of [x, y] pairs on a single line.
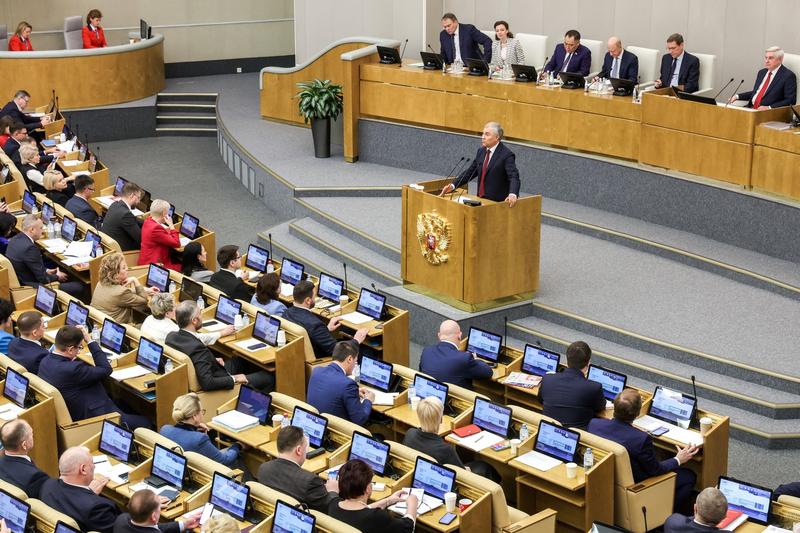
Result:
{"points": [[541, 71], [694, 391], [505, 334], [271, 257], [432, 50], [406, 44], [735, 91], [374, 288], [726, 86], [453, 170], [344, 266], [644, 514]]}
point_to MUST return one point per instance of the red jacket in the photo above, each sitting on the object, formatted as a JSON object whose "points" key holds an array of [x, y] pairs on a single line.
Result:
{"points": [[15, 44], [93, 38], [157, 241], [3, 139]]}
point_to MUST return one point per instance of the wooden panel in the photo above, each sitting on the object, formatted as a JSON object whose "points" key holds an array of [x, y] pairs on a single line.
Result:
{"points": [[788, 141], [604, 135], [381, 100], [608, 105], [776, 171], [471, 113], [538, 123]]}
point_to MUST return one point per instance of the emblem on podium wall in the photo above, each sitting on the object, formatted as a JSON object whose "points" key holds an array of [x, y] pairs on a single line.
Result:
{"points": [[433, 234]]}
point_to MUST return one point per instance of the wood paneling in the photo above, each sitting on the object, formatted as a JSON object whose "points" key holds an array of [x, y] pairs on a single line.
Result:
{"points": [[776, 160]]}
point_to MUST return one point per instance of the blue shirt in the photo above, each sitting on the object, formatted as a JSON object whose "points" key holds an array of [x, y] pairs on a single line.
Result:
{"points": [[272, 307], [5, 338]]}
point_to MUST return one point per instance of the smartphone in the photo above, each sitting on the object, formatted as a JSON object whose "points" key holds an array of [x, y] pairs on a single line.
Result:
{"points": [[447, 519], [659, 431], [502, 445]]}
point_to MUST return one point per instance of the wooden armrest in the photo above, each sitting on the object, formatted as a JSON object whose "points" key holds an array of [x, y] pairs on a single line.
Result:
{"points": [[533, 522], [650, 482], [114, 417]]}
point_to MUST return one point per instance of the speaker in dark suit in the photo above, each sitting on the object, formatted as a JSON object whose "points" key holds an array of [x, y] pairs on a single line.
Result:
{"points": [[120, 224], [332, 392], [322, 339], [16, 110], [144, 514], [781, 88], [469, 37], [619, 63], [679, 68], [577, 58], [16, 466], [210, 374]]}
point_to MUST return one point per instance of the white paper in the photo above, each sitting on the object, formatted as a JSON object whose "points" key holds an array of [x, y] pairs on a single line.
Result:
{"points": [[286, 289], [69, 261], [79, 249], [113, 473], [539, 461], [246, 343], [105, 200], [235, 420], [80, 173], [185, 240], [131, 372], [480, 440], [10, 411], [136, 212], [214, 325], [685, 436], [356, 318], [384, 398]]}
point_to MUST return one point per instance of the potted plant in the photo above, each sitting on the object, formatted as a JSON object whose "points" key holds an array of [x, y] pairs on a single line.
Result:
{"points": [[320, 101]]}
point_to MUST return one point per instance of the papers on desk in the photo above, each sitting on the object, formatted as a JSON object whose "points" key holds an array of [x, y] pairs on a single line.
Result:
{"points": [[685, 436], [779, 126], [776, 529], [79, 249], [539, 461], [70, 261], [417, 65], [427, 503], [134, 371], [185, 240], [251, 344], [356, 318], [521, 379], [235, 421], [36, 115], [384, 398], [145, 486], [10, 411], [286, 289], [136, 212], [80, 173], [105, 201], [478, 441], [112, 472], [54, 246], [416, 186]]}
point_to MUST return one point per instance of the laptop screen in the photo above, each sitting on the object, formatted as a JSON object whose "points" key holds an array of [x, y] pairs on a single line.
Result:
{"points": [[491, 417], [312, 425], [484, 344], [14, 511], [227, 310], [16, 388], [376, 373], [612, 382], [112, 335], [148, 354], [539, 361], [45, 300], [190, 289], [61, 527], [28, 201], [229, 496], [330, 287], [257, 258], [288, 519], [291, 271], [424, 387], [68, 228], [266, 328], [555, 441], [169, 466], [189, 226], [371, 304], [254, 403], [94, 238], [118, 185], [671, 406], [434, 479], [158, 277], [48, 212], [752, 500], [116, 441], [76, 314], [371, 451]]}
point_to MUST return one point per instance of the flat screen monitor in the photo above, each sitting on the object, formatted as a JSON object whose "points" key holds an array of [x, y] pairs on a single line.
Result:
{"points": [[68, 229], [752, 500], [330, 287], [158, 277], [492, 417], [48, 212], [622, 87], [189, 226], [612, 382], [77, 314], [572, 80], [524, 73], [484, 344], [696, 98], [433, 478], [476, 67], [371, 304], [61, 527], [538, 361], [369, 450], [672, 406], [257, 258], [144, 30], [116, 441], [149, 354], [94, 238], [171, 212], [254, 403], [389, 56], [28, 202], [227, 310], [112, 336], [312, 425], [168, 466], [289, 519], [16, 388], [431, 61], [424, 388], [291, 271], [266, 328], [119, 185], [229, 496], [376, 373], [190, 289], [45, 301], [555, 441], [15, 512]]}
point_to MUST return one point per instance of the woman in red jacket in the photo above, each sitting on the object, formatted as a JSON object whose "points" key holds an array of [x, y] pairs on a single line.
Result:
{"points": [[159, 237], [93, 36], [21, 40]]}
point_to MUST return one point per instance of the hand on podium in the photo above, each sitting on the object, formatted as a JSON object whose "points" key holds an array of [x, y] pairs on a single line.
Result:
{"points": [[511, 199], [447, 188]]}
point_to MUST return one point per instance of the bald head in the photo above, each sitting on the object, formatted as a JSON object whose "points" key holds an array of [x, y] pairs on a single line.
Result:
{"points": [[76, 466], [17, 436], [711, 506], [627, 406], [614, 45], [449, 330]]}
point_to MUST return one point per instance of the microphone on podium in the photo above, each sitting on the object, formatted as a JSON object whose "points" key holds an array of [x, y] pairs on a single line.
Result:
{"points": [[726, 86], [735, 91], [432, 50], [406, 44], [464, 160], [541, 70]]}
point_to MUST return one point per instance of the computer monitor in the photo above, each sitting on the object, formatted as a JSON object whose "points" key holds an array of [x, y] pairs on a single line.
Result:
{"points": [[371, 304], [484, 344], [612, 382], [524, 73], [622, 87], [68, 229], [149, 355], [492, 417], [94, 238], [752, 500], [291, 271], [15, 512], [227, 310], [376, 373], [330, 287], [289, 519], [28, 201], [389, 56], [477, 67], [257, 258], [538, 361], [369, 450], [112, 335], [158, 277], [118, 185], [144, 30], [557, 442], [672, 406], [77, 314], [433, 478], [796, 113], [424, 388], [189, 226], [572, 80], [45, 301], [16, 388], [48, 212], [312, 425], [190, 289], [431, 61], [266, 328], [61, 527], [168, 466], [229, 496], [116, 441], [254, 403], [696, 98]]}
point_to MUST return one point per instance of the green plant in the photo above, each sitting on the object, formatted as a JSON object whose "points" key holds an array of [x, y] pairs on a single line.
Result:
{"points": [[319, 99]]}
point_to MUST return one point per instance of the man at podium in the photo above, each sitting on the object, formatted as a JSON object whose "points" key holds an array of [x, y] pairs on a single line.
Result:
{"points": [[495, 167]]}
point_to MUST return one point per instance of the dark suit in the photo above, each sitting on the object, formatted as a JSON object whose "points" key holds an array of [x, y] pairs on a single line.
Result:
{"points": [[469, 37], [570, 398], [321, 339], [78, 206], [11, 110], [579, 63], [285, 476], [333, 393], [689, 75], [678, 523], [122, 226], [27, 353], [27, 261], [502, 176], [628, 66], [448, 364], [12, 151], [23, 474], [233, 287], [124, 525], [90, 511], [782, 90]]}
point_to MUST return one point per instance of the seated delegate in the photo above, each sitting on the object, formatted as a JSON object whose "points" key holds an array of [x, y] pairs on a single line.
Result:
{"points": [[21, 40], [118, 295], [92, 34], [194, 262], [160, 239], [268, 290], [426, 439], [570, 56], [161, 323]]}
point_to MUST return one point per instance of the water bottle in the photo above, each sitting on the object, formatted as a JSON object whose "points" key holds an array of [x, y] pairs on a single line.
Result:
{"points": [[524, 433], [168, 365], [636, 94], [50, 229], [245, 320], [588, 459], [45, 321], [237, 322], [201, 304], [172, 287], [57, 228], [412, 392], [95, 334], [357, 373], [34, 209], [286, 421]]}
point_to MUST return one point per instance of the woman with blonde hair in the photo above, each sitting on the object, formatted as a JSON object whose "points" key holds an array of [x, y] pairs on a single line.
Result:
{"points": [[222, 523], [191, 434], [21, 40], [57, 187], [426, 439], [161, 323], [116, 294], [30, 158]]}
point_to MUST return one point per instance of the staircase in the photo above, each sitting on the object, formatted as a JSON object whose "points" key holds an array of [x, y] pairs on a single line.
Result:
{"points": [[186, 114]]}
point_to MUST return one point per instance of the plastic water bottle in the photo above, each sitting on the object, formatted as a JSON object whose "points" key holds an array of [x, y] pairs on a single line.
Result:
{"points": [[168, 365], [201, 304], [286, 421], [588, 459], [34, 209], [45, 321], [95, 334], [57, 228], [357, 373], [237, 322], [172, 287], [50, 229], [524, 433], [245, 320], [412, 392]]}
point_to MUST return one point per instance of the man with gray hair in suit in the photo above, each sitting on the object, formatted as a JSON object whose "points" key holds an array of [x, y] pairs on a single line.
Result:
{"points": [[709, 510]]}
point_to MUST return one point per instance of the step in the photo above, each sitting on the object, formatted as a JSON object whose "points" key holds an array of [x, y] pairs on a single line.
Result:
{"points": [[187, 97], [185, 108], [186, 131], [186, 121]]}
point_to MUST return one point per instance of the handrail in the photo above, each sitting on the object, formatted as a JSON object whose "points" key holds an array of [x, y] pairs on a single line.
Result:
{"points": [[80, 52]]}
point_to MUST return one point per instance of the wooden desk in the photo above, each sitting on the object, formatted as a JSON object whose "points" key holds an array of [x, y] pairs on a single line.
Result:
{"points": [[321, 462], [403, 472], [254, 437], [776, 158], [42, 418]]}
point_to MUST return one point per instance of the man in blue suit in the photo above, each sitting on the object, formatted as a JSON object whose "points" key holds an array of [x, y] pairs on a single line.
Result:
{"points": [[16, 467], [570, 56], [331, 390], [17, 108], [619, 63], [679, 68], [641, 451], [27, 349], [776, 85], [79, 205], [460, 41], [709, 510], [568, 396], [81, 384], [446, 363]]}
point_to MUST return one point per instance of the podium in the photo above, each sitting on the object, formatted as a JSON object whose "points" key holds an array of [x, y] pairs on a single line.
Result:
{"points": [[471, 257]]}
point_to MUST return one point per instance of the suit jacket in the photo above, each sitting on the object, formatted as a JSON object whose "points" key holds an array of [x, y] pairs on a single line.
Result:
{"points": [[641, 451], [210, 374], [27, 261], [333, 393], [233, 287], [121, 225], [80, 384], [678, 523], [11, 148], [27, 353], [123, 525], [11, 110], [782, 90], [191, 440], [119, 301], [469, 37], [90, 511], [23, 474], [570, 398], [78, 206], [447, 363], [321, 339], [93, 38], [304, 486], [16, 44], [628, 68], [158, 243], [689, 76], [514, 53], [579, 63], [502, 176]]}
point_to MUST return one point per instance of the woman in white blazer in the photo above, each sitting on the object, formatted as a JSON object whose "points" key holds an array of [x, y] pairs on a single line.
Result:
{"points": [[505, 49]]}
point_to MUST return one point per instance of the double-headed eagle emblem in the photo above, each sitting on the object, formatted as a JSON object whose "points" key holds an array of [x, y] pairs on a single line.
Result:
{"points": [[433, 234]]}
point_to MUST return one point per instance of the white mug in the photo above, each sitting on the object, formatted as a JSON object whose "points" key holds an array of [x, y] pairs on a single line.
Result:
{"points": [[572, 470], [705, 425], [277, 420], [343, 299], [514, 445], [281, 337], [450, 501]]}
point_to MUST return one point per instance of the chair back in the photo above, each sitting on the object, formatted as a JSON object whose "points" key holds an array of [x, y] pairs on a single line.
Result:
{"points": [[706, 83], [3, 37], [63, 418], [13, 490], [648, 63], [500, 516], [47, 516], [150, 438], [598, 53], [534, 47], [266, 494], [284, 401], [299, 331], [6, 362], [13, 280], [203, 464], [792, 62], [73, 28]]}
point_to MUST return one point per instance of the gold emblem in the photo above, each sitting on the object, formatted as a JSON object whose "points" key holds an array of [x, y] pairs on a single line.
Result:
{"points": [[433, 233]]}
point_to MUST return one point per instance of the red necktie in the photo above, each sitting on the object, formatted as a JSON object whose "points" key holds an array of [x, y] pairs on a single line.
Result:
{"points": [[760, 95], [483, 172]]}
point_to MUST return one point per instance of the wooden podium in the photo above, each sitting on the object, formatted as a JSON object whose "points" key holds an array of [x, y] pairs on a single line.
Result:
{"points": [[470, 257]]}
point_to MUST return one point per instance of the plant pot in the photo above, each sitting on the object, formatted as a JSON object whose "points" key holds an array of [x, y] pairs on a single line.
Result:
{"points": [[321, 132]]}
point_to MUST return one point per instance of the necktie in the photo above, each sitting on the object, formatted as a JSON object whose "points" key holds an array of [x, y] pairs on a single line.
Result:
{"points": [[672, 71], [483, 173], [615, 68], [760, 95], [566, 62]]}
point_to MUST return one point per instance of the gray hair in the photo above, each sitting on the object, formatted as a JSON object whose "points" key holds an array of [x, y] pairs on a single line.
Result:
{"points": [[161, 303], [777, 50], [496, 127], [159, 208], [21, 93], [72, 459], [27, 152], [30, 220], [185, 312]]}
